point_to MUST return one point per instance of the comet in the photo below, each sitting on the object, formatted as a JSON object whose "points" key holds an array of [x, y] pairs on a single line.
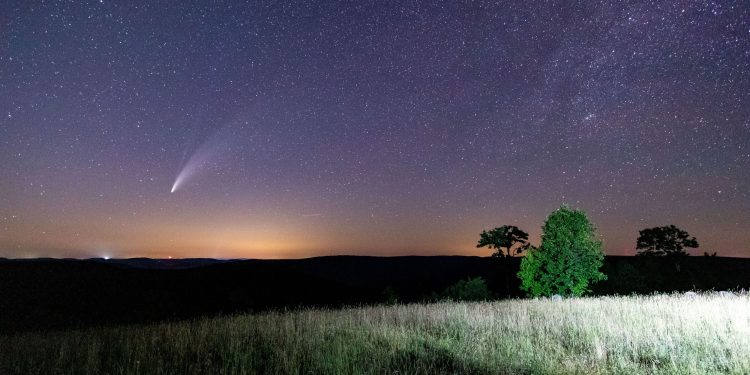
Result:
{"points": [[176, 184], [204, 158]]}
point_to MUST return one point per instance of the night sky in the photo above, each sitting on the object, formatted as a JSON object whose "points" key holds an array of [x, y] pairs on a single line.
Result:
{"points": [[367, 127]]}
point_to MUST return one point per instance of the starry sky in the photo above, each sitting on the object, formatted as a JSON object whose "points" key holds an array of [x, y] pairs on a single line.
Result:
{"points": [[299, 129]]}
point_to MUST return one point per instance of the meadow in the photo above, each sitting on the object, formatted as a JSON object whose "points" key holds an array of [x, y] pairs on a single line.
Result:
{"points": [[658, 334]]}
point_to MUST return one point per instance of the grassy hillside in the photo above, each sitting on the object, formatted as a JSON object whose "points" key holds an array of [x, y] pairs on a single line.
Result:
{"points": [[655, 334]]}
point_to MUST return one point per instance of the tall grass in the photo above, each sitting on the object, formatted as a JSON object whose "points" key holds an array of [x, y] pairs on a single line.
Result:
{"points": [[666, 334]]}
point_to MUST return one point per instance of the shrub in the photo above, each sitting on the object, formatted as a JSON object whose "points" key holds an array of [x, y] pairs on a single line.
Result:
{"points": [[389, 295], [468, 290]]}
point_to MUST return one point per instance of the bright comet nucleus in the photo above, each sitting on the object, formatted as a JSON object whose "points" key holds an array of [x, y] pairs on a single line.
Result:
{"points": [[176, 184]]}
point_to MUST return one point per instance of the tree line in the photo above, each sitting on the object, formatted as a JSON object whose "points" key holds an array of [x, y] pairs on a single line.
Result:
{"points": [[568, 260]]}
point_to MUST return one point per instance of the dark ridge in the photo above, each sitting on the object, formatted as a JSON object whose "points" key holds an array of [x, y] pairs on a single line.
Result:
{"points": [[62, 293]]}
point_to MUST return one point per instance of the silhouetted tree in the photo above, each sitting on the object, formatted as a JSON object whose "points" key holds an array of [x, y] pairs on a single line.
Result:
{"points": [[505, 237], [567, 261], [667, 240], [706, 254]]}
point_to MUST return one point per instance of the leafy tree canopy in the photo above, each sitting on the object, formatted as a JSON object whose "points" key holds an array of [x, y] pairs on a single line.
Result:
{"points": [[666, 240], [508, 240], [568, 260]]}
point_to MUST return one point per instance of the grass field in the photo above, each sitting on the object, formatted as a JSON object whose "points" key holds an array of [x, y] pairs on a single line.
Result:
{"points": [[670, 334]]}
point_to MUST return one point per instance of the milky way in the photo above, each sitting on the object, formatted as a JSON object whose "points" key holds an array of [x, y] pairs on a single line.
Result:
{"points": [[405, 127]]}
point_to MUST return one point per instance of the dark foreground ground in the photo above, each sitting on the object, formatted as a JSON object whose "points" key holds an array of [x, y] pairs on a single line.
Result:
{"points": [[57, 294]]}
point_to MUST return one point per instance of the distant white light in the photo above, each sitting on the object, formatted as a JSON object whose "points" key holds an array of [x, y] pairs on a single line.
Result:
{"points": [[106, 257]]}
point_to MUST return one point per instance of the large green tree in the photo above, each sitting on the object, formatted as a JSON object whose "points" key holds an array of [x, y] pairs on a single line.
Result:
{"points": [[507, 237], [666, 240], [568, 260]]}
